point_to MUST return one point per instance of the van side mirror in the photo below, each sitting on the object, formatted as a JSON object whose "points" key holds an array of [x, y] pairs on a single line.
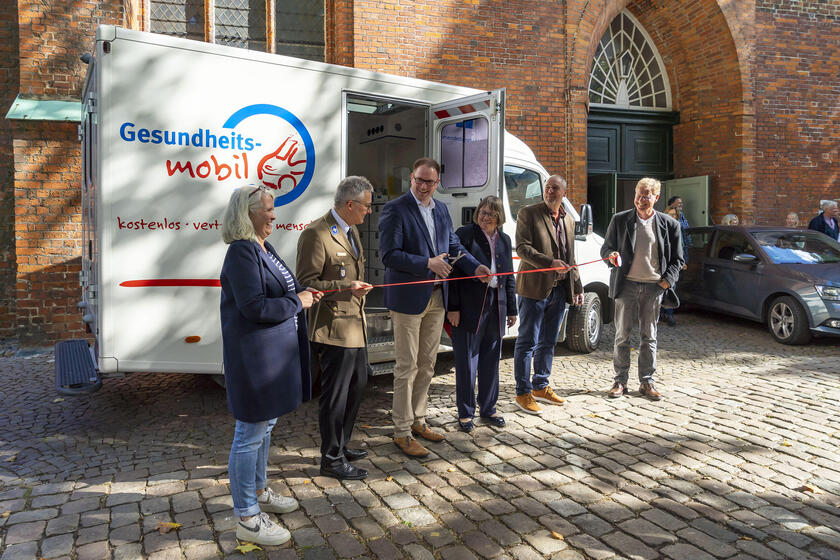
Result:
{"points": [[584, 226]]}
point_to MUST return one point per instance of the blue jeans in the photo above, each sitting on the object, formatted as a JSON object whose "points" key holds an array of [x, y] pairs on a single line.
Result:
{"points": [[539, 325], [248, 463]]}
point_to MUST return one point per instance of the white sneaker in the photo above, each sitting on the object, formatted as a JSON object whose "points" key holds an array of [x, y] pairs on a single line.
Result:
{"points": [[275, 503], [260, 529]]}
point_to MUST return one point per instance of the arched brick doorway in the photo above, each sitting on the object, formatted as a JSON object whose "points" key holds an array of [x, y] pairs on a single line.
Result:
{"points": [[706, 57]]}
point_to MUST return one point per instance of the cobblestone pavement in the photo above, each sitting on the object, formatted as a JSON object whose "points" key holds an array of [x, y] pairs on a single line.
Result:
{"points": [[740, 460]]}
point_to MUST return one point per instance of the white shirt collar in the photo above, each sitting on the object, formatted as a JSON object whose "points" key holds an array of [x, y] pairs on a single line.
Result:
{"points": [[341, 223], [644, 221], [420, 204]]}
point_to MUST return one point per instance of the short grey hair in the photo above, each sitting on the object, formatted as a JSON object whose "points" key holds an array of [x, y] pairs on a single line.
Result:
{"points": [[826, 204], [351, 188], [237, 222], [557, 178]]}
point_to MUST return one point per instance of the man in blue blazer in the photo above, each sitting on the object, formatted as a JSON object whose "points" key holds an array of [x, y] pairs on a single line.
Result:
{"points": [[649, 245], [416, 239]]}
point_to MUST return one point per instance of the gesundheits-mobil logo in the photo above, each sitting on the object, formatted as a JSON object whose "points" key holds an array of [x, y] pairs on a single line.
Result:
{"points": [[262, 144]]}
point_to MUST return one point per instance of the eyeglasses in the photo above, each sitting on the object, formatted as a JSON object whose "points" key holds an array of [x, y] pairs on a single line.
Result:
{"points": [[365, 204], [258, 189], [486, 214], [427, 182]]}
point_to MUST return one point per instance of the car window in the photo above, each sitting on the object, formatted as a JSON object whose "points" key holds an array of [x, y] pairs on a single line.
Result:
{"points": [[798, 247], [731, 243], [696, 243], [523, 187]]}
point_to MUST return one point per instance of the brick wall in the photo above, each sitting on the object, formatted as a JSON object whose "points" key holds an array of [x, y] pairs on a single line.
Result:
{"points": [[9, 78], [48, 235], [797, 107]]}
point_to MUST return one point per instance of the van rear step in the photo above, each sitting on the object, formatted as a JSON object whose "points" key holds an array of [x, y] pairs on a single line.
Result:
{"points": [[75, 372]]}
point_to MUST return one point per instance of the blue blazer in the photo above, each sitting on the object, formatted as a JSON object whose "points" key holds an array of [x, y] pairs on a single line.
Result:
{"points": [[266, 357], [467, 296], [406, 247]]}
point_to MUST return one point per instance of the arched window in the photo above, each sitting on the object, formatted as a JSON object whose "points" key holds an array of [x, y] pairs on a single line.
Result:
{"points": [[628, 71]]}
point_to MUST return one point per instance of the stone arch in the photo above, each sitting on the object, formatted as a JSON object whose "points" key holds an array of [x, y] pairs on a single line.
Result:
{"points": [[707, 56]]}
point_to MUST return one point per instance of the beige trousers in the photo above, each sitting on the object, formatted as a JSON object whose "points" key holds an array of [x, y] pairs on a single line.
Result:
{"points": [[416, 341]]}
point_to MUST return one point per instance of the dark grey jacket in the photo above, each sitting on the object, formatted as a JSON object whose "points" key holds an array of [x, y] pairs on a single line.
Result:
{"points": [[621, 237]]}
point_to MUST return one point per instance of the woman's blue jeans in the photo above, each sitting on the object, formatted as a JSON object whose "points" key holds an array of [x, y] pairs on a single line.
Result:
{"points": [[248, 464]]}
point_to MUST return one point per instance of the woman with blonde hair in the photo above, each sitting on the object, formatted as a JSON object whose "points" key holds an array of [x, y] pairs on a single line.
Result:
{"points": [[265, 351]]}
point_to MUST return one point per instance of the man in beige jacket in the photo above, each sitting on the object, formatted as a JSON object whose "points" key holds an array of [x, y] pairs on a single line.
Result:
{"points": [[330, 256], [545, 238]]}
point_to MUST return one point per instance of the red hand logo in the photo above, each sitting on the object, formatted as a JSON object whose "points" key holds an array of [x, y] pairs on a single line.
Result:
{"points": [[280, 166]]}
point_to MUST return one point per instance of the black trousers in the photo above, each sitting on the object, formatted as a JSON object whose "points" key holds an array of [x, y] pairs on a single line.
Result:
{"points": [[343, 381]]}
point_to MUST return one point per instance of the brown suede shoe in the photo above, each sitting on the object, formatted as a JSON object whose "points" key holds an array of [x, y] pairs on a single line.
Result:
{"points": [[425, 432], [617, 390], [649, 391], [546, 395], [411, 446]]}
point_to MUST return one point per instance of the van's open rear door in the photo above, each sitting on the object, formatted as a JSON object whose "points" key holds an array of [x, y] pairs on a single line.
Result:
{"points": [[467, 137]]}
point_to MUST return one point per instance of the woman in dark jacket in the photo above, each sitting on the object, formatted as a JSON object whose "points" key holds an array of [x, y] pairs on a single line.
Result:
{"points": [[266, 357], [478, 313]]}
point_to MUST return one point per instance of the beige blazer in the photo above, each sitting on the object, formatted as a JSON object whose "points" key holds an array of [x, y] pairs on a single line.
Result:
{"points": [[323, 252], [536, 247]]}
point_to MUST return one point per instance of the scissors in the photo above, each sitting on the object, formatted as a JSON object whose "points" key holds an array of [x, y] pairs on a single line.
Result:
{"points": [[453, 260]]}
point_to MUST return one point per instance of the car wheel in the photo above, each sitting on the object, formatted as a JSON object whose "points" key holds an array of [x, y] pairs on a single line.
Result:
{"points": [[585, 324], [787, 321]]}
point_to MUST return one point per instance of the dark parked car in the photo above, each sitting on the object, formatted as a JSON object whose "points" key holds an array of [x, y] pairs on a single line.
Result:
{"points": [[786, 278]]}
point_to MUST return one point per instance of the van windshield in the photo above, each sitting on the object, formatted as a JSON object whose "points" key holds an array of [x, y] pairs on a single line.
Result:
{"points": [[798, 247], [523, 187]]}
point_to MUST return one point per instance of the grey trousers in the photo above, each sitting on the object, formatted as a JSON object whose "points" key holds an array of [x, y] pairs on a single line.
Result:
{"points": [[637, 304]]}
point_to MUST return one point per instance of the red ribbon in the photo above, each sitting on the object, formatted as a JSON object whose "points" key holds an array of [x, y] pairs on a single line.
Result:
{"points": [[436, 280]]}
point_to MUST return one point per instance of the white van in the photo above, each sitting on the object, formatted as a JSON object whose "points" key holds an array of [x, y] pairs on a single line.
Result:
{"points": [[170, 126]]}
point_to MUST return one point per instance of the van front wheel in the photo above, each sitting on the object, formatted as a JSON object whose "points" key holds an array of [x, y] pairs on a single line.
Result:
{"points": [[585, 325]]}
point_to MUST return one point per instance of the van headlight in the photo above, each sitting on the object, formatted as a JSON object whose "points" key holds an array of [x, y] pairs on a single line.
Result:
{"points": [[829, 292]]}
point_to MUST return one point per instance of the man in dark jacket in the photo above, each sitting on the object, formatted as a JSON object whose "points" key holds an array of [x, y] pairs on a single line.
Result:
{"points": [[645, 251]]}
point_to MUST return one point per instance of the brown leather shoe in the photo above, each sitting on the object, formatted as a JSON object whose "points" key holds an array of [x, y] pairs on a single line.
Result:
{"points": [[411, 446], [618, 390], [649, 391], [425, 432]]}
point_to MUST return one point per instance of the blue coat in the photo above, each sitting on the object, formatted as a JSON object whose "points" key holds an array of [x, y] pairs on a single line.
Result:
{"points": [[406, 248], [819, 224], [467, 296], [266, 358]]}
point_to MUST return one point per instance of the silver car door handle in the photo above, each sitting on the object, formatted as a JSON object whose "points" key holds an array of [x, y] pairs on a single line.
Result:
{"points": [[711, 269]]}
